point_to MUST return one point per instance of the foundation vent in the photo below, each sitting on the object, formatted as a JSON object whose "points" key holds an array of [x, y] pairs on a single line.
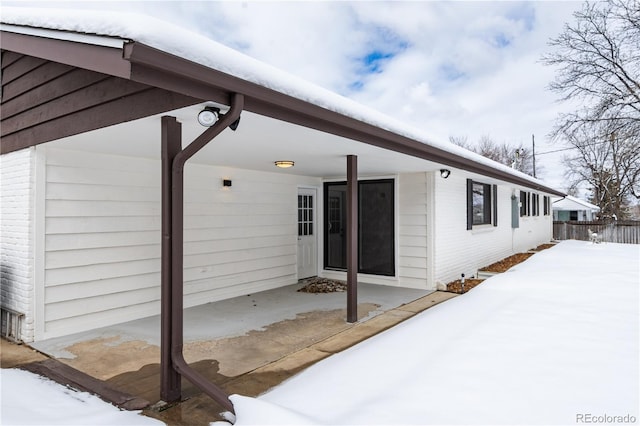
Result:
{"points": [[11, 324]]}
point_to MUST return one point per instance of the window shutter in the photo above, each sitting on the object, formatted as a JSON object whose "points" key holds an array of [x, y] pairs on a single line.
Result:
{"points": [[546, 205], [469, 204], [494, 200]]}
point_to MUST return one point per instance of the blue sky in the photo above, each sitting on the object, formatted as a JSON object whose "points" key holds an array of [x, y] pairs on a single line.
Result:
{"points": [[450, 68]]}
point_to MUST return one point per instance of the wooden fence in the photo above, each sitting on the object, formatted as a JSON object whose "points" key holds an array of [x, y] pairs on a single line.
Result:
{"points": [[621, 231]]}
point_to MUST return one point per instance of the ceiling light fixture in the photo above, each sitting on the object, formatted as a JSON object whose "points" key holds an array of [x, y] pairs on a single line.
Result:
{"points": [[284, 164]]}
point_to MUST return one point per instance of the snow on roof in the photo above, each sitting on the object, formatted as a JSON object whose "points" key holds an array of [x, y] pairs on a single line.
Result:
{"points": [[573, 203], [184, 43]]}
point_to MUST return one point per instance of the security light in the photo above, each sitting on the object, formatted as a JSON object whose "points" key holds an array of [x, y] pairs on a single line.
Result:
{"points": [[208, 116]]}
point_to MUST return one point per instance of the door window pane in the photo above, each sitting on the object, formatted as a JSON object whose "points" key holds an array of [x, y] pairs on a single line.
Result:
{"points": [[335, 238], [305, 215]]}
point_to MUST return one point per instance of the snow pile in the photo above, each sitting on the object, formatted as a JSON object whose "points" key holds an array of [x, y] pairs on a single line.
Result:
{"points": [[182, 42], [553, 339], [28, 399]]}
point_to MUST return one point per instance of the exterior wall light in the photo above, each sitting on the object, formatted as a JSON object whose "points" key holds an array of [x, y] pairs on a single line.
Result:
{"points": [[444, 173], [284, 164], [208, 116], [226, 182]]}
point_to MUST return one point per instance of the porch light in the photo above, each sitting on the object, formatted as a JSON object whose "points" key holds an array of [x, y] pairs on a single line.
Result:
{"points": [[208, 116], [444, 173], [284, 164]]}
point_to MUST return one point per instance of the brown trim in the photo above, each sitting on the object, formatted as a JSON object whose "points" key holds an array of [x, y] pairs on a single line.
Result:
{"points": [[53, 81], [270, 103], [69, 376], [8, 58], [469, 204], [96, 94], [494, 201], [20, 67], [27, 83], [139, 105], [352, 238], [106, 60], [160, 78]]}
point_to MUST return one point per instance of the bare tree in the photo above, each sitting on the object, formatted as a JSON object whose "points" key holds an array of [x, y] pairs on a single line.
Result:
{"points": [[598, 62], [598, 66], [516, 156], [608, 163]]}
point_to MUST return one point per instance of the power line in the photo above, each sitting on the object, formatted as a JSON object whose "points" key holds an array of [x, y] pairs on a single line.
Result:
{"points": [[572, 147], [556, 150]]}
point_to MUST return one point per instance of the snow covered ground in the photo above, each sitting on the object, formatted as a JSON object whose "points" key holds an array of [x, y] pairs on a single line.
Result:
{"points": [[28, 399], [552, 341]]}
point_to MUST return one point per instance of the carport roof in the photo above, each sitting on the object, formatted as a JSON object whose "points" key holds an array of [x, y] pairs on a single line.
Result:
{"points": [[159, 54]]}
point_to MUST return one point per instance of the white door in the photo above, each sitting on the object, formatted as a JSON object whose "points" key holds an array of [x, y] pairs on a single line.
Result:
{"points": [[307, 240]]}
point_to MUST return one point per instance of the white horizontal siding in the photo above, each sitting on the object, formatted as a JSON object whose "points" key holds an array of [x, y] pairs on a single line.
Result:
{"points": [[82, 225], [459, 250], [97, 240], [87, 289], [102, 242], [412, 229], [533, 231]]}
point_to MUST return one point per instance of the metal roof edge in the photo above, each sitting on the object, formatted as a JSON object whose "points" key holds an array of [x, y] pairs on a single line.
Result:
{"points": [[94, 39], [75, 51]]}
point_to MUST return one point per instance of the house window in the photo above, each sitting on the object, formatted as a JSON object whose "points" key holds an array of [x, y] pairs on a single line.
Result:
{"points": [[535, 204], [376, 226], [573, 215], [481, 202]]}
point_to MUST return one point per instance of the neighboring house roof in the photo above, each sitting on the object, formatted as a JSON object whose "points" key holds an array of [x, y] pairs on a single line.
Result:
{"points": [[573, 203], [160, 54]]}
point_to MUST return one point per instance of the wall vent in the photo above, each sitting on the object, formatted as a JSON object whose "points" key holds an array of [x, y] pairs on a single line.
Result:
{"points": [[11, 324]]}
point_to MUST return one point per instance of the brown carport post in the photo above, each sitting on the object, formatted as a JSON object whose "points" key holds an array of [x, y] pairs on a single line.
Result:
{"points": [[170, 389], [352, 238]]}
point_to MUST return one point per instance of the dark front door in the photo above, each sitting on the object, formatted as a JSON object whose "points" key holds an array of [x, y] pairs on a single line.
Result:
{"points": [[376, 226]]}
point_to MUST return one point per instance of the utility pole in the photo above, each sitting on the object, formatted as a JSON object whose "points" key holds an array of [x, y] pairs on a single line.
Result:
{"points": [[533, 142]]}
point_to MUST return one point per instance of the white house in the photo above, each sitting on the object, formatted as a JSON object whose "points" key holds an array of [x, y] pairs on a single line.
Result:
{"points": [[572, 208], [83, 99]]}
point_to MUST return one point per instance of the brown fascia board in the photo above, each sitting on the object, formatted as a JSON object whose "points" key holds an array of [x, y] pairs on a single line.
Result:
{"points": [[106, 60], [161, 69], [155, 67]]}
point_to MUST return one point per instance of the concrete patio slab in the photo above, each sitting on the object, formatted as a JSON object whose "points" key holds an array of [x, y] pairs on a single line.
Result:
{"points": [[262, 340], [238, 316]]}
